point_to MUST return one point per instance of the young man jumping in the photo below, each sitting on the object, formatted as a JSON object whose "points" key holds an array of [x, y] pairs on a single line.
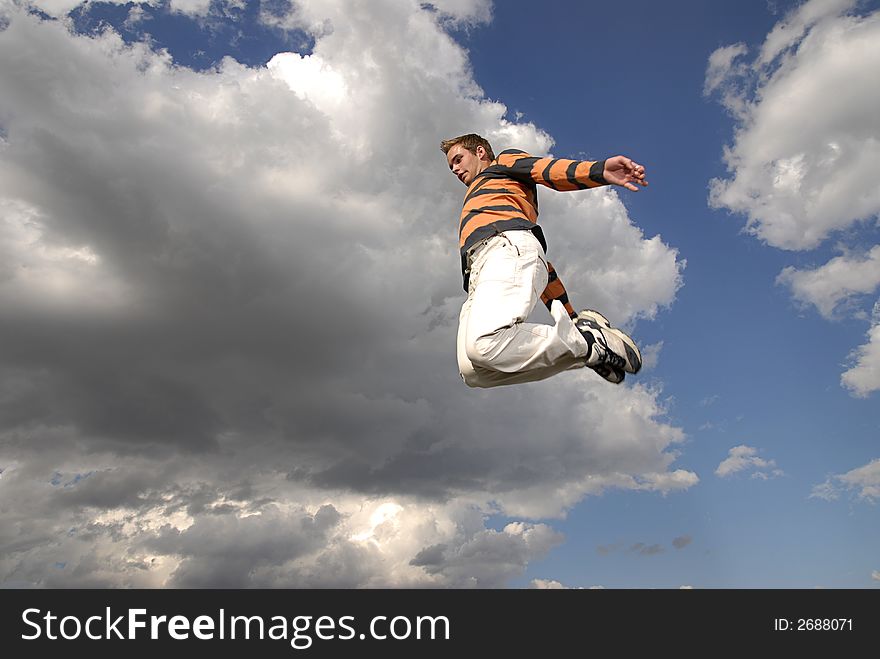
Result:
{"points": [[506, 270]]}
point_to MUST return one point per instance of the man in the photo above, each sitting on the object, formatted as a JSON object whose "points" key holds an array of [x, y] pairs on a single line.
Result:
{"points": [[506, 270]]}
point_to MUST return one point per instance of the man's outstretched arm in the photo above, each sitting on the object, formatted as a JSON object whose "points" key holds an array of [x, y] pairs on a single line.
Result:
{"points": [[564, 174]]}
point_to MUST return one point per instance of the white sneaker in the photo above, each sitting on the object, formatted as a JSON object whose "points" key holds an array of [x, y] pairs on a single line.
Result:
{"points": [[608, 345], [613, 375]]}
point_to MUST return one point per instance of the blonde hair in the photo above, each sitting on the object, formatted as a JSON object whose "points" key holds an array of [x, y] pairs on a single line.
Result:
{"points": [[470, 142]]}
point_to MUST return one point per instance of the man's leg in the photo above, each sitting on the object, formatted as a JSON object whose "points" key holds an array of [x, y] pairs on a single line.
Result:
{"points": [[496, 345], [477, 376], [555, 290]]}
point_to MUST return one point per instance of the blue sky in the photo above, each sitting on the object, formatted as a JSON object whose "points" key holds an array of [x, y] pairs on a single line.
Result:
{"points": [[195, 191], [742, 363]]}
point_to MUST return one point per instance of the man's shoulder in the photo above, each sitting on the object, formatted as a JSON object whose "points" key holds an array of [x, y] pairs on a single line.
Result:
{"points": [[513, 152]]}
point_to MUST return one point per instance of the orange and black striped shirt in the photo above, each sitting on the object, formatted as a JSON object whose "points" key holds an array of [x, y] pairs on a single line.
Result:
{"points": [[504, 196]]}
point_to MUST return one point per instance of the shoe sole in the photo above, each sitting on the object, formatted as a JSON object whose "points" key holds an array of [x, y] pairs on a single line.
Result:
{"points": [[612, 375], [630, 350]]}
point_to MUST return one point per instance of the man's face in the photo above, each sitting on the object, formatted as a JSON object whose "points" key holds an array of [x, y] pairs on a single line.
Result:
{"points": [[466, 165]]}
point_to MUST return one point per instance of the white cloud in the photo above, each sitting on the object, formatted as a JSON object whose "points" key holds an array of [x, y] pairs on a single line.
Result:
{"points": [[310, 77], [191, 7], [651, 355], [791, 29], [552, 584], [864, 376], [495, 556], [743, 458], [809, 138], [229, 305], [826, 491], [721, 66], [464, 11], [190, 535], [646, 268], [806, 142], [726, 73], [56, 8], [836, 283], [875, 575], [863, 481], [546, 584]]}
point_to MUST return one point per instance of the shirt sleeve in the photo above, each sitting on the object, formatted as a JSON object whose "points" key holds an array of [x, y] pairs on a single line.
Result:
{"points": [[556, 173]]}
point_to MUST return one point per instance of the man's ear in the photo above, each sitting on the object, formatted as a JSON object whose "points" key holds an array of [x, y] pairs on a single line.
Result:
{"points": [[481, 153]]}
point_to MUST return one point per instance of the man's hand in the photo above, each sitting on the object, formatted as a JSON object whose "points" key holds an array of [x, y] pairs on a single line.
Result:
{"points": [[621, 170]]}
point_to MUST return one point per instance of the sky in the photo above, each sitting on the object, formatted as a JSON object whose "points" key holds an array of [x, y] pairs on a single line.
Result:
{"points": [[229, 291]]}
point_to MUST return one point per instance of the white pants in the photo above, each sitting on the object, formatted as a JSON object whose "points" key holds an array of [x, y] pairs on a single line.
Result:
{"points": [[495, 344]]}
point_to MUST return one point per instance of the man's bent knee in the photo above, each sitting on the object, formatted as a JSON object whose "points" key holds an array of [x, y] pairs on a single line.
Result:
{"points": [[483, 350], [478, 377], [483, 380]]}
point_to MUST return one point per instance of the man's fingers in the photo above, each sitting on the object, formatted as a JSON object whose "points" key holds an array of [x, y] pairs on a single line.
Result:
{"points": [[628, 172]]}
